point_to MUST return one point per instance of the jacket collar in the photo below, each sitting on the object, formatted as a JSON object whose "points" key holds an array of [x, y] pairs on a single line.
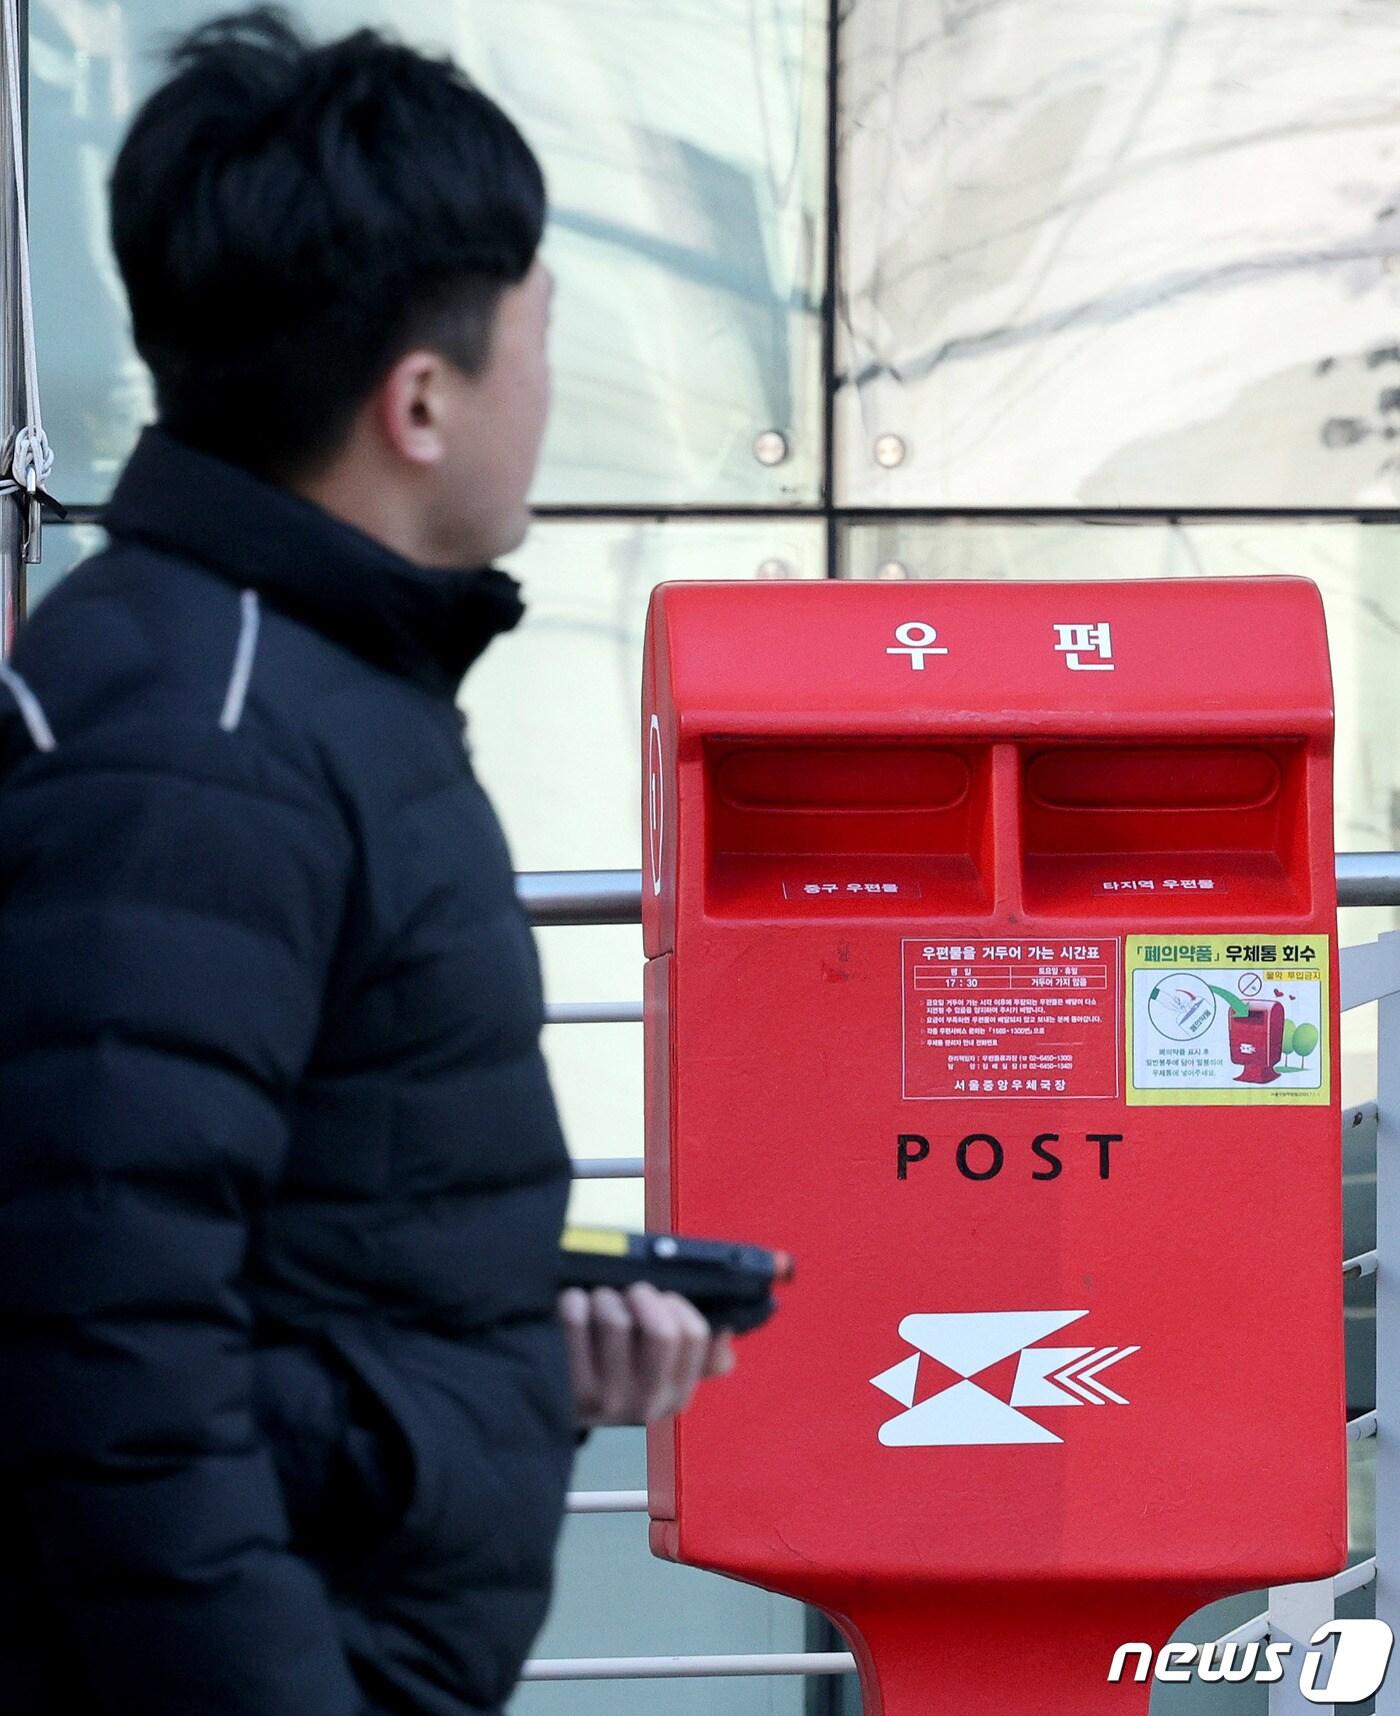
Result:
{"points": [[426, 623]]}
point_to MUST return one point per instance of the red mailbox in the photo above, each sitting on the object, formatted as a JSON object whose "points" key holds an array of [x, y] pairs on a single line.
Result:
{"points": [[991, 937], [1256, 1041]]}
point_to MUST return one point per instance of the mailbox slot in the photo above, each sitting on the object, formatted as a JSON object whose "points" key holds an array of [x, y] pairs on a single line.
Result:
{"points": [[782, 817], [1230, 815]]}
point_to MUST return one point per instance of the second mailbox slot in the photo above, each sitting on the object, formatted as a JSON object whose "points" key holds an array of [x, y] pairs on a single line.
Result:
{"points": [[1173, 817]]}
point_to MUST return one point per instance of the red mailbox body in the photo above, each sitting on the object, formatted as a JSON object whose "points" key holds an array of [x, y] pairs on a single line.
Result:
{"points": [[964, 906]]}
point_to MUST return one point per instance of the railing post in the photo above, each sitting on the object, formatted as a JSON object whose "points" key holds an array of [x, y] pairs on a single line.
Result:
{"points": [[1388, 1323], [11, 354]]}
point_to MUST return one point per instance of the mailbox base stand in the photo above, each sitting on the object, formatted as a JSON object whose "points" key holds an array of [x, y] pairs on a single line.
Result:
{"points": [[999, 1650]]}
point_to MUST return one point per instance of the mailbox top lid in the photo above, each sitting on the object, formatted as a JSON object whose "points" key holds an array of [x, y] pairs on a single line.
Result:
{"points": [[1113, 657]]}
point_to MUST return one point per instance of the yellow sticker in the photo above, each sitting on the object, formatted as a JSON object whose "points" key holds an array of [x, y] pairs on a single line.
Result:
{"points": [[1225, 1019], [602, 1241]]}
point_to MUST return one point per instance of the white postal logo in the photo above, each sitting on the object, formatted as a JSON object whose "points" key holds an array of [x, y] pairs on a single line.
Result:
{"points": [[963, 1414]]}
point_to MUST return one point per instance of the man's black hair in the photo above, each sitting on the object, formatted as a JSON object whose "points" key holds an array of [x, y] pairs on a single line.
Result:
{"points": [[290, 218]]}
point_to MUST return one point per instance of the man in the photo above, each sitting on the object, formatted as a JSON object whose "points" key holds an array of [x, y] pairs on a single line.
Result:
{"points": [[287, 1416]]}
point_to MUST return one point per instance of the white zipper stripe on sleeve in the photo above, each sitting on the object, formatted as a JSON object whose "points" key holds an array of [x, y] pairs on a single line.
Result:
{"points": [[237, 694]]}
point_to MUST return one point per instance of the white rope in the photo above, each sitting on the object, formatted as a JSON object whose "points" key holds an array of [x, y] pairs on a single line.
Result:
{"points": [[32, 458]]}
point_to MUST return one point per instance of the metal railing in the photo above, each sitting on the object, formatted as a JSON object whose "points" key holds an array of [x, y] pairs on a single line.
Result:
{"points": [[1370, 973], [581, 897]]}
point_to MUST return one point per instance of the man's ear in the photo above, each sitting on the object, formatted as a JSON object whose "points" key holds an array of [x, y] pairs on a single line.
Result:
{"points": [[409, 405]]}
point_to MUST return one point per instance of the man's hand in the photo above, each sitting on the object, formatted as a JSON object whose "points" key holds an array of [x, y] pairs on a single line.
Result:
{"points": [[637, 1356]]}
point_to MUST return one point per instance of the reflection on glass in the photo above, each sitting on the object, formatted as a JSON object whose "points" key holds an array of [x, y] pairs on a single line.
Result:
{"points": [[684, 143], [555, 718], [1353, 566], [1106, 255], [555, 705]]}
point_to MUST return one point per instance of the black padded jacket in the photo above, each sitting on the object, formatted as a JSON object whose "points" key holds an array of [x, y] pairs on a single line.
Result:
{"points": [[286, 1427]]}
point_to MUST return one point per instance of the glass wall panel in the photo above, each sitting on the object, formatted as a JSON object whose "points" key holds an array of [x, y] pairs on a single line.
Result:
{"points": [[555, 719], [685, 143], [1353, 565], [1106, 255]]}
